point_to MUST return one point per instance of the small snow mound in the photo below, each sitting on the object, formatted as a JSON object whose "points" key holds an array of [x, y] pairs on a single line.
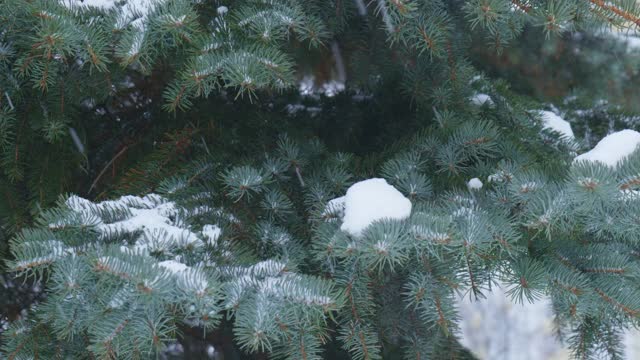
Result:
{"points": [[173, 266], [475, 184], [554, 122], [481, 99], [613, 148], [371, 200]]}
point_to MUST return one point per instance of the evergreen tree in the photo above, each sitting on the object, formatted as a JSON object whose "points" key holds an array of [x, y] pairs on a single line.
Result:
{"points": [[222, 228]]}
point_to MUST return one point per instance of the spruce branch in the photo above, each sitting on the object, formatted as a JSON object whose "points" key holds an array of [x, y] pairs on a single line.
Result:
{"points": [[616, 10]]}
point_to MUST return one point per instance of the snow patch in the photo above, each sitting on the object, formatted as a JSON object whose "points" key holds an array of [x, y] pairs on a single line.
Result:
{"points": [[555, 123], [613, 148], [481, 99], [335, 207], [211, 233], [152, 216], [222, 10], [173, 266], [629, 195], [130, 12], [371, 200], [192, 280], [131, 9], [474, 184], [309, 87]]}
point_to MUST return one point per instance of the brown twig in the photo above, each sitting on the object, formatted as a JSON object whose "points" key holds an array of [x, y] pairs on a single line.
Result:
{"points": [[626, 309], [95, 182], [620, 12]]}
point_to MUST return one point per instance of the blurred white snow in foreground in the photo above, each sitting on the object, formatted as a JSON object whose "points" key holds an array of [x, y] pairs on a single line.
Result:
{"points": [[495, 328]]}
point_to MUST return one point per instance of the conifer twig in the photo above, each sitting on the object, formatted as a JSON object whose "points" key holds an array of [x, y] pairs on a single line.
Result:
{"points": [[107, 166], [620, 12], [629, 311]]}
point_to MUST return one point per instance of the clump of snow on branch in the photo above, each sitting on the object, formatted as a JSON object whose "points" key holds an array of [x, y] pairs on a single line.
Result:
{"points": [[371, 200], [211, 233], [309, 87], [555, 123], [173, 266], [130, 12], [158, 223], [271, 280], [613, 148], [152, 216], [481, 99], [130, 8], [474, 184], [335, 207], [222, 10]]}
